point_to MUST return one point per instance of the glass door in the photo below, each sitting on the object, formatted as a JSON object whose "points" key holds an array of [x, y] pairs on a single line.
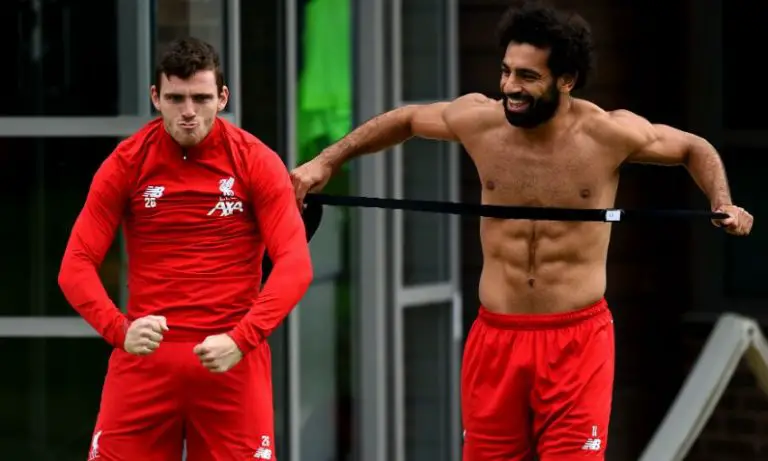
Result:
{"points": [[426, 336]]}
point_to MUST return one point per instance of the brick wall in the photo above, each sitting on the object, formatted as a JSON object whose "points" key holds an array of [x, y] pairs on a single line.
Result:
{"points": [[639, 53]]}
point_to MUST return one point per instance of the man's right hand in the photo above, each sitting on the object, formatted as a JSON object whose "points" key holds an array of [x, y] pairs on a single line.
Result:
{"points": [[310, 177], [145, 334]]}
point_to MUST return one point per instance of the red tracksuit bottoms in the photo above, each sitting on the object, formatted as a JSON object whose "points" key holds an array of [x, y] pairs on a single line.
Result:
{"points": [[151, 404]]}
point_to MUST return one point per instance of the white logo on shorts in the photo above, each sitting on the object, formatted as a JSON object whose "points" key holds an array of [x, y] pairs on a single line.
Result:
{"points": [[593, 443], [264, 452], [94, 452]]}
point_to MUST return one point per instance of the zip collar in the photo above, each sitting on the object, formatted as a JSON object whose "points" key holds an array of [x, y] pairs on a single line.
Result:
{"points": [[209, 143]]}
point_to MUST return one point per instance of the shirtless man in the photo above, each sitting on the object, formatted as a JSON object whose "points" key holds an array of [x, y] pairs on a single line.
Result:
{"points": [[537, 373]]}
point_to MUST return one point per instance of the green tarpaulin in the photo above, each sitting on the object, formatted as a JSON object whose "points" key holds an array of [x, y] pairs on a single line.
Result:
{"points": [[325, 90]]}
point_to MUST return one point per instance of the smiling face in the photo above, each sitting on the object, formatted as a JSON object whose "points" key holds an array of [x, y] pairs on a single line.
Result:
{"points": [[189, 106], [531, 94]]}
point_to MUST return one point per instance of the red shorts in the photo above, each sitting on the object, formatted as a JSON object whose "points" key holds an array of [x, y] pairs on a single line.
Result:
{"points": [[150, 405], [538, 385]]}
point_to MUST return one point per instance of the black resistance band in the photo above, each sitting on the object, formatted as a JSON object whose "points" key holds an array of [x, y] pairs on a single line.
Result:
{"points": [[313, 212], [508, 212]]}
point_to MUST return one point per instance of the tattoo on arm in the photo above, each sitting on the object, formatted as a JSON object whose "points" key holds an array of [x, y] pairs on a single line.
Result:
{"points": [[378, 133]]}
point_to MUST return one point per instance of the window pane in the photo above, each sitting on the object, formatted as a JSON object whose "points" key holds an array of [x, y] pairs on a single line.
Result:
{"points": [[424, 43], [62, 62], [262, 44], [323, 115], [49, 180], [180, 18], [50, 400], [318, 373], [263, 96], [427, 351], [278, 344], [426, 236], [742, 103], [744, 256]]}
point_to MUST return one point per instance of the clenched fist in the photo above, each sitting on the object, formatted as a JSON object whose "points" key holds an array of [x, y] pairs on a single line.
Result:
{"points": [[145, 334], [218, 353], [310, 177], [738, 222]]}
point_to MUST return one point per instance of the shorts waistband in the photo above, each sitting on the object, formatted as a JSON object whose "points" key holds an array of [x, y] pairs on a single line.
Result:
{"points": [[543, 321], [186, 333], [175, 335]]}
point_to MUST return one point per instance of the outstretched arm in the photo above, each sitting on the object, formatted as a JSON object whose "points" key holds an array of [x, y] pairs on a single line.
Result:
{"points": [[389, 129], [665, 145], [430, 121]]}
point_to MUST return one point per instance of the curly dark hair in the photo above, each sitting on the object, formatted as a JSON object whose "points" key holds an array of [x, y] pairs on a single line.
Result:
{"points": [[567, 35], [184, 57]]}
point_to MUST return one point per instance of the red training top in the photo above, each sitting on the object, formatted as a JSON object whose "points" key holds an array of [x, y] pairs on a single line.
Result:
{"points": [[197, 222]]}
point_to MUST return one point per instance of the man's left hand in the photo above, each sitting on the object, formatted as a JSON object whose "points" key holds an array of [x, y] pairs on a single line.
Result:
{"points": [[218, 353], [738, 222]]}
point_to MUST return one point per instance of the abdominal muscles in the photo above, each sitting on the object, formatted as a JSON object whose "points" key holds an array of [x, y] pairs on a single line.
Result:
{"points": [[542, 266]]}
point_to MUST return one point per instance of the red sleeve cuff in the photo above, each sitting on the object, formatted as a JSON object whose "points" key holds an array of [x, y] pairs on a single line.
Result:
{"points": [[121, 329], [242, 342]]}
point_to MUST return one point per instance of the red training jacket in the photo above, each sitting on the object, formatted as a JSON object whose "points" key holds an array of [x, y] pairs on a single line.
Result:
{"points": [[197, 222]]}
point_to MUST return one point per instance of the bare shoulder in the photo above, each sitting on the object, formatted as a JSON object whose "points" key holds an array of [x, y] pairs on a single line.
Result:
{"points": [[628, 121], [621, 128], [469, 104], [471, 110], [472, 100]]}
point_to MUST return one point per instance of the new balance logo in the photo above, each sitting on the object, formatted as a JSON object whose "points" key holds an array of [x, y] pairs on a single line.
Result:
{"points": [[151, 195], [263, 453], [593, 443], [227, 204]]}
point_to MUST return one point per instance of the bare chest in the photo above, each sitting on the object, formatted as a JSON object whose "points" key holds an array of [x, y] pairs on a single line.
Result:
{"points": [[570, 173]]}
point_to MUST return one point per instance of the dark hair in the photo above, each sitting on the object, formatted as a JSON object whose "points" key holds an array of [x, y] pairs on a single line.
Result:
{"points": [[184, 57], [567, 35]]}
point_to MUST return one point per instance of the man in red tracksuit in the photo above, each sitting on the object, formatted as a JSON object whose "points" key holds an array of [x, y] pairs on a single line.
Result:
{"points": [[200, 200]]}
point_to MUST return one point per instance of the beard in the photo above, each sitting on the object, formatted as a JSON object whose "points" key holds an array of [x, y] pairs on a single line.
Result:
{"points": [[539, 109]]}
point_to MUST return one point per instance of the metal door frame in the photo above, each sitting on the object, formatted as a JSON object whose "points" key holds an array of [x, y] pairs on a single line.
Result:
{"points": [[371, 292], [409, 297], [293, 331]]}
